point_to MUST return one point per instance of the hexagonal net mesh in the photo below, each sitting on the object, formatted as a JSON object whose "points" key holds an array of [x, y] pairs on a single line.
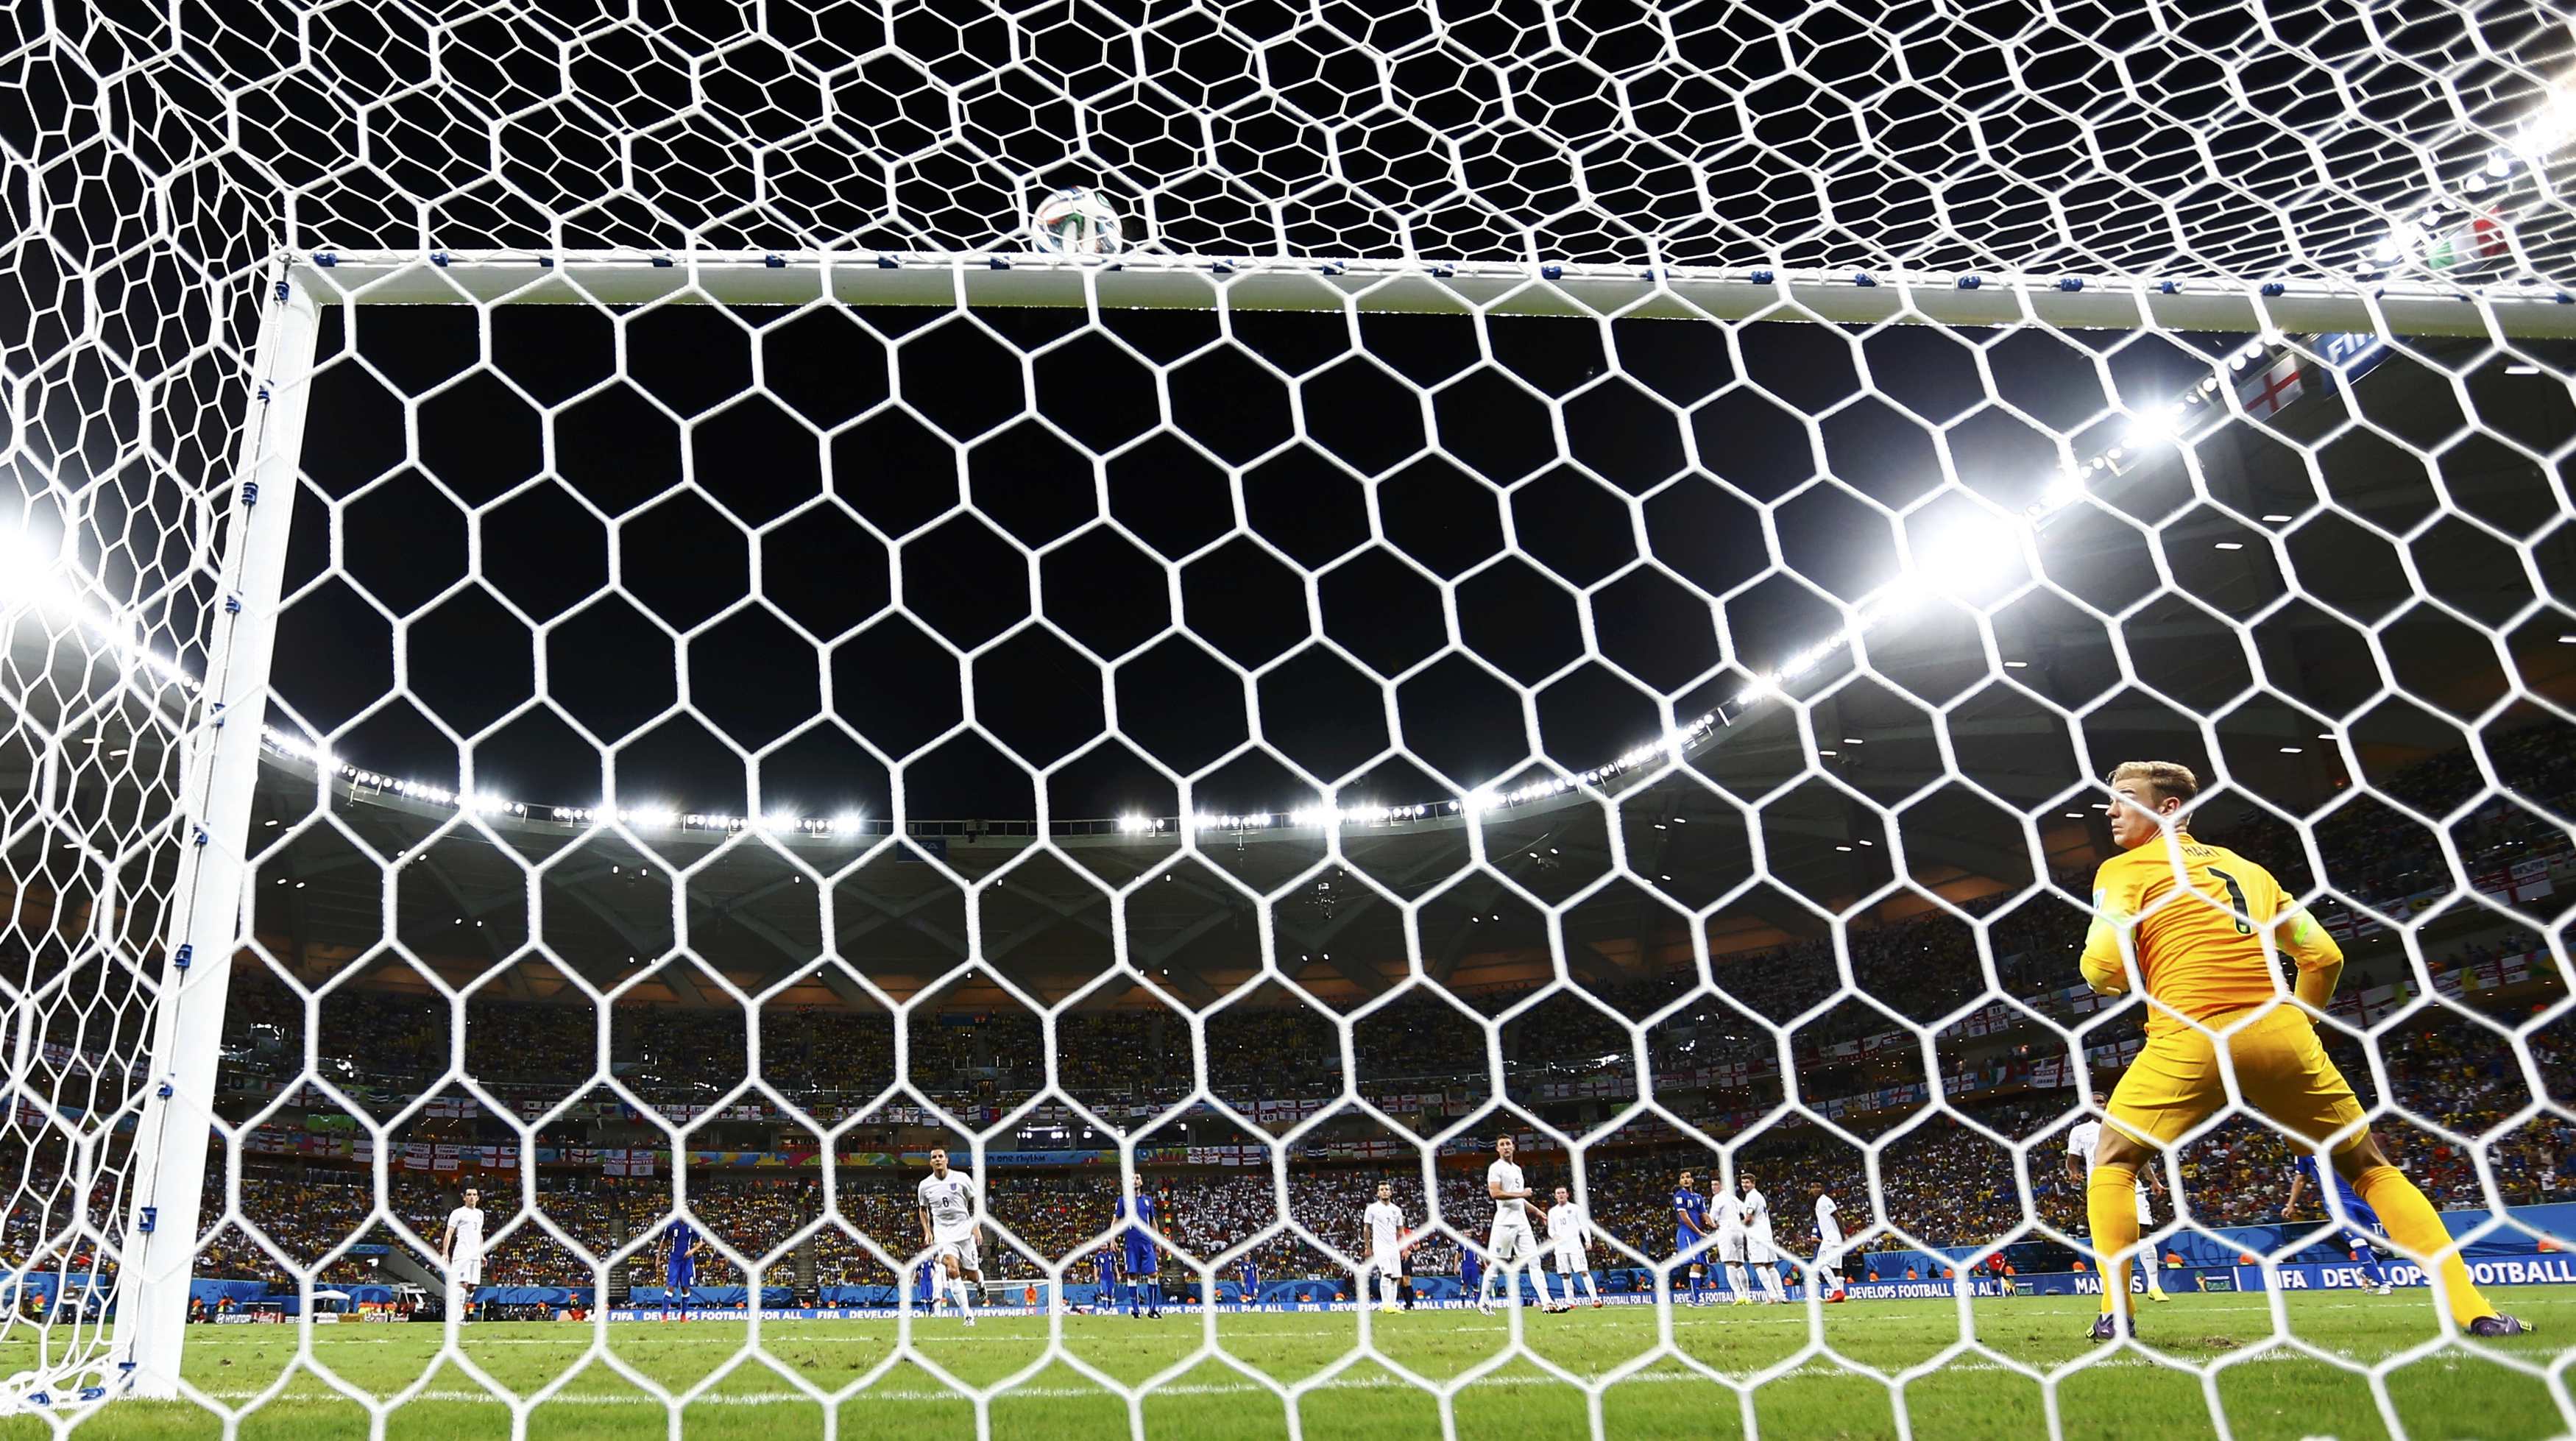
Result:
{"points": [[651, 615]]}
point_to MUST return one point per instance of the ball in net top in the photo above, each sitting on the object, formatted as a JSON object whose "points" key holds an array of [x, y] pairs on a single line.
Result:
{"points": [[1076, 220]]}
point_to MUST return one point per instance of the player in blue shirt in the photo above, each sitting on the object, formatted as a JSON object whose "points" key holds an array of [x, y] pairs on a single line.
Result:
{"points": [[1471, 1270], [1138, 1212], [679, 1265], [1105, 1261], [2348, 1209], [1251, 1281], [1690, 1233], [930, 1284]]}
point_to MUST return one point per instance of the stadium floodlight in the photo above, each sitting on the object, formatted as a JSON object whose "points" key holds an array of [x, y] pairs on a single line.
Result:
{"points": [[1968, 551], [2549, 128], [23, 566], [29, 573], [2063, 489], [2156, 425]]}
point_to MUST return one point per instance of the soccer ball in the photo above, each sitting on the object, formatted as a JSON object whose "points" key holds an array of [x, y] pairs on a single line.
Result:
{"points": [[1076, 220]]}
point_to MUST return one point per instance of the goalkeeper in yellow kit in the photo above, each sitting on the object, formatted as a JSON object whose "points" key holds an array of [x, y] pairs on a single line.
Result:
{"points": [[2197, 918]]}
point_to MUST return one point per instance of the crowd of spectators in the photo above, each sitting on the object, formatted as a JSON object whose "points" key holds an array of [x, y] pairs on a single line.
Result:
{"points": [[2373, 853], [1919, 970], [1941, 1182]]}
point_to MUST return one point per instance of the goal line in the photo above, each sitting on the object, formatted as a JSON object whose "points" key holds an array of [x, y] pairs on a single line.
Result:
{"points": [[1199, 282]]}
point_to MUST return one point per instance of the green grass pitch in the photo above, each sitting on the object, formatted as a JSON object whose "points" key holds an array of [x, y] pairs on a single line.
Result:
{"points": [[2269, 1391]]}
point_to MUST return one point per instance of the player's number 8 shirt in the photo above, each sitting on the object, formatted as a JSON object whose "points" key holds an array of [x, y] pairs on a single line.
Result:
{"points": [[950, 1200]]}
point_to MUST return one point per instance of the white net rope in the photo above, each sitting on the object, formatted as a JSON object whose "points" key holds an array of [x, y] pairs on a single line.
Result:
{"points": [[1675, 744]]}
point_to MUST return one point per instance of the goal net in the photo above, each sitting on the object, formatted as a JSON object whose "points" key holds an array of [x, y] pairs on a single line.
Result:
{"points": [[648, 615]]}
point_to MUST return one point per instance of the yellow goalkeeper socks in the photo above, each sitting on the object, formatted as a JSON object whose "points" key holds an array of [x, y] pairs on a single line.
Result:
{"points": [[2417, 1228], [2111, 1206]]}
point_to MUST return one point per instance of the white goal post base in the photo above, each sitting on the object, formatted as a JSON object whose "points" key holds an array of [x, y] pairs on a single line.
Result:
{"points": [[1198, 282]]}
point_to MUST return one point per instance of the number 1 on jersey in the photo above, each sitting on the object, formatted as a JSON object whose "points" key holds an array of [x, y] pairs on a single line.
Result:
{"points": [[2236, 901]]}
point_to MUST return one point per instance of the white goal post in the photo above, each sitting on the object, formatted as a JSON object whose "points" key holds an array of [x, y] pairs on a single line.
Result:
{"points": [[1431, 286], [223, 745]]}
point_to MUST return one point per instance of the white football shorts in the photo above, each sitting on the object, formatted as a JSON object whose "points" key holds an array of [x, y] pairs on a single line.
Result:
{"points": [[968, 1254]]}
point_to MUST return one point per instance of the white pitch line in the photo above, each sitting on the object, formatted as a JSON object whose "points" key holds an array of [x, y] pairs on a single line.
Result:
{"points": [[945, 1330], [1812, 1370]]}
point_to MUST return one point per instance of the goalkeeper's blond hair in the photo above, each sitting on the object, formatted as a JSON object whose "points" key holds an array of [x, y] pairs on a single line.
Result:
{"points": [[2166, 780]]}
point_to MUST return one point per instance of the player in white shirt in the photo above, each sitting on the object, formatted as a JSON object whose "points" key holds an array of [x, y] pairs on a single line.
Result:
{"points": [[1829, 1246], [460, 1250], [1726, 1222], [1759, 1251], [1510, 1244], [1384, 1222], [1566, 1228], [2079, 1160], [948, 1231]]}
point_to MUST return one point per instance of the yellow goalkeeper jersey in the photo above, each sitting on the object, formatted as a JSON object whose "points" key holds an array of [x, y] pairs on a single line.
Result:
{"points": [[2200, 914]]}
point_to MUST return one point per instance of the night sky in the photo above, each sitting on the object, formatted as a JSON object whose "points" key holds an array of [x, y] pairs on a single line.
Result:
{"points": [[777, 446]]}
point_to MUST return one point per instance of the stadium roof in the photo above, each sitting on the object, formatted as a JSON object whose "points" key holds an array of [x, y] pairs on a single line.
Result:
{"points": [[1049, 916]]}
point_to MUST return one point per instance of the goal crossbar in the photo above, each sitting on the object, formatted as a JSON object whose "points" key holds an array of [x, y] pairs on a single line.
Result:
{"points": [[1198, 282]]}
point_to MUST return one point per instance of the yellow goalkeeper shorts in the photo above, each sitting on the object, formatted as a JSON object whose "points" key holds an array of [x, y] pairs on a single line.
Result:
{"points": [[2282, 1070]]}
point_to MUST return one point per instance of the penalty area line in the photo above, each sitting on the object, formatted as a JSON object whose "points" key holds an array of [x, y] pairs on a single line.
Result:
{"points": [[1812, 1370], [946, 1332]]}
